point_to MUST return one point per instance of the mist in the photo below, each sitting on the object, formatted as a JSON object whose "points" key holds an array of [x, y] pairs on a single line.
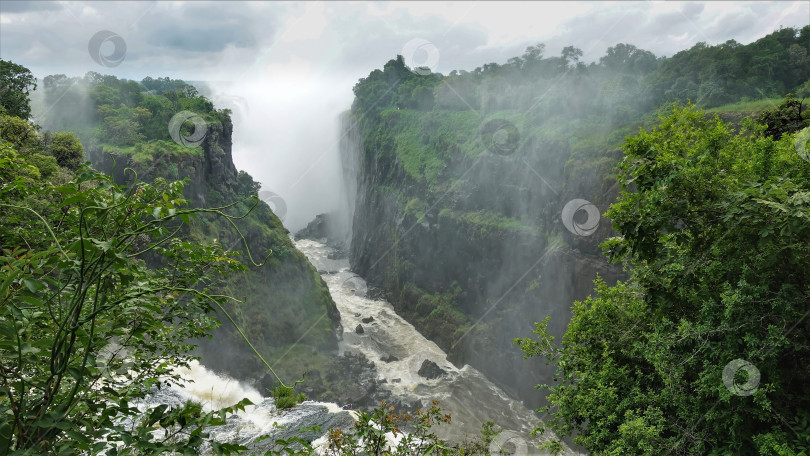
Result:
{"points": [[465, 151], [286, 136], [287, 70]]}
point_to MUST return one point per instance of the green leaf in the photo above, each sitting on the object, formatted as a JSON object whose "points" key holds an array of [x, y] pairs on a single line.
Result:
{"points": [[103, 245], [75, 372], [28, 349], [11, 278], [33, 300], [74, 199], [33, 285]]}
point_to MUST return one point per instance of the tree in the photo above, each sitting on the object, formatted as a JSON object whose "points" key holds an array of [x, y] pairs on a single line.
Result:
{"points": [[629, 58], [533, 57], [67, 150], [704, 349], [16, 82], [785, 118], [534, 53], [20, 133], [571, 56], [246, 186], [55, 86], [122, 126], [86, 327]]}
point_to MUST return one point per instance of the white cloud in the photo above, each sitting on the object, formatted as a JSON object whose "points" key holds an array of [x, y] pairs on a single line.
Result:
{"points": [[309, 26], [295, 63]]}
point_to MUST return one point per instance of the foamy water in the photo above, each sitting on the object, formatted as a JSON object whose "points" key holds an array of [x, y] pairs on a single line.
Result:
{"points": [[213, 391], [465, 393]]}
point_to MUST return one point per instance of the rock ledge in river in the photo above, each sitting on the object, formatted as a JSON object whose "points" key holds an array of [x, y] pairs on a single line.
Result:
{"points": [[245, 429], [430, 370]]}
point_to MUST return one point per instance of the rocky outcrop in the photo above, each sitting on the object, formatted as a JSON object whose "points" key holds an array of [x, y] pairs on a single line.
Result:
{"points": [[262, 425], [288, 305], [213, 169], [349, 380], [430, 370], [329, 229], [299, 421]]}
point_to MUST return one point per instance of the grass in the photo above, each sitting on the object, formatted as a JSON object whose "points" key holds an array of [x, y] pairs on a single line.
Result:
{"points": [[285, 397], [752, 106], [487, 219], [417, 208], [146, 151], [425, 141]]}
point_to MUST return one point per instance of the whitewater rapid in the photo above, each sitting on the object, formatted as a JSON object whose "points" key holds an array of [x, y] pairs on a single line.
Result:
{"points": [[398, 351], [465, 393]]}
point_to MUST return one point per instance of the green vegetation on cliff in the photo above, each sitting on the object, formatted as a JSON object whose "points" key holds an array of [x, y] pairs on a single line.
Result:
{"points": [[479, 204], [287, 308], [107, 288], [87, 329], [704, 349]]}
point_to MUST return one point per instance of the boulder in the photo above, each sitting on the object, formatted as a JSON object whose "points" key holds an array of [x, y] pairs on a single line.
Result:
{"points": [[430, 370]]}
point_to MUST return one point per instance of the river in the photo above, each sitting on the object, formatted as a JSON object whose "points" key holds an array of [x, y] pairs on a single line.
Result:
{"points": [[465, 393]]}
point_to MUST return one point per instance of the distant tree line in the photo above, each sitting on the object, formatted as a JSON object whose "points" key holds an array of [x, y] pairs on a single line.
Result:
{"points": [[624, 82], [106, 110]]}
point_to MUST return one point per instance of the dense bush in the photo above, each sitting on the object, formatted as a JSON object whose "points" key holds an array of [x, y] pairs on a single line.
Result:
{"points": [[713, 229]]}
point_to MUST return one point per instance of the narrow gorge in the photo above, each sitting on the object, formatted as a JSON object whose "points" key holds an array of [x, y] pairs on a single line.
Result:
{"points": [[557, 253]]}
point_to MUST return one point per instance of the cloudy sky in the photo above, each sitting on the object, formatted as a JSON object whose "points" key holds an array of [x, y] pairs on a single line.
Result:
{"points": [[287, 69]]}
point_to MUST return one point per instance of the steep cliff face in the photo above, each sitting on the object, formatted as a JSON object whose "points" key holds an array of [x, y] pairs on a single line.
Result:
{"points": [[209, 166], [288, 313], [466, 235]]}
